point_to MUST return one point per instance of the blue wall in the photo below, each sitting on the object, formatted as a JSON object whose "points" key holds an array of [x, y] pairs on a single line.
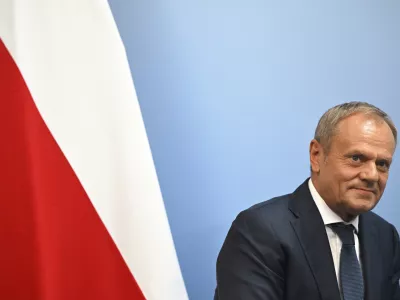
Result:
{"points": [[231, 92]]}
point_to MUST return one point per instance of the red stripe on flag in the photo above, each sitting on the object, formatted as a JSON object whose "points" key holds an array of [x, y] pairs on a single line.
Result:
{"points": [[53, 245]]}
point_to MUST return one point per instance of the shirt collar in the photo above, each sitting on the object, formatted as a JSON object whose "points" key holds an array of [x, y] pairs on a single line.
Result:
{"points": [[327, 214]]}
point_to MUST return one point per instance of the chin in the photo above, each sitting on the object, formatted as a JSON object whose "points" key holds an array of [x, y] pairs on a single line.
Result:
{"points": [[359, 206]]}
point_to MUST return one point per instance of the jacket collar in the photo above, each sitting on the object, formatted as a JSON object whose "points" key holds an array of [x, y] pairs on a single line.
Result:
{"points": [[310, 230]]}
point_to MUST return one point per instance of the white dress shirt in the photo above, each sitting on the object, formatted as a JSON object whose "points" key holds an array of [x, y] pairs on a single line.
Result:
{"points": [[329, 217]]}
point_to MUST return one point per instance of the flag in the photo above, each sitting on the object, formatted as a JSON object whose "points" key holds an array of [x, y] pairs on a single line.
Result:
{"points": [[82, 215]]}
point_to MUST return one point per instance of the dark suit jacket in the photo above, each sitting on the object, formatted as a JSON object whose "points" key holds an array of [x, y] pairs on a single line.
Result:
{"points": [[279, 250]]}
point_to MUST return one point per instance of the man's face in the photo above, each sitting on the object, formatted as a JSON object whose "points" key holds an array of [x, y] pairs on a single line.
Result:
{"points": [[352, 175]]}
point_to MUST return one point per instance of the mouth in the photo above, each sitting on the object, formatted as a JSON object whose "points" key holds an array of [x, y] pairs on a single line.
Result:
{"points": [[365, 191]]}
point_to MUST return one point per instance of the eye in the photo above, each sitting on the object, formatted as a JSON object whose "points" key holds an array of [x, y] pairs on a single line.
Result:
{"points": [[382, 164], [356, 158]]}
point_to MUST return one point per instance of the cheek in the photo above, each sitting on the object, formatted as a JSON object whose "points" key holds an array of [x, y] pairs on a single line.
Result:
{"points": [[345, 177], [349, 173], [348, 180], [341, 169], [382, 182]]}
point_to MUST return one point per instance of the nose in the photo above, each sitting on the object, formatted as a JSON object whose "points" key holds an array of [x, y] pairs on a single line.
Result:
{"points": [[369, 173]]}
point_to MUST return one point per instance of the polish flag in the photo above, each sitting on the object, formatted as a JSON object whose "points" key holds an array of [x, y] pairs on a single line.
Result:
{"points": [[82, 216]]}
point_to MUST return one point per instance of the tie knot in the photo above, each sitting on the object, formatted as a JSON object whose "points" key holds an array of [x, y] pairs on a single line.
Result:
{"points": [[345, 232]]}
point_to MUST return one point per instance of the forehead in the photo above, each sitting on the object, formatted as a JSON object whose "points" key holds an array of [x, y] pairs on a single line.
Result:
{"points": [[367, 132]]}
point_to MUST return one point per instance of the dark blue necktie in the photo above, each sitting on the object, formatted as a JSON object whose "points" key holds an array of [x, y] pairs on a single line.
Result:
{"points": [[351, 279]]}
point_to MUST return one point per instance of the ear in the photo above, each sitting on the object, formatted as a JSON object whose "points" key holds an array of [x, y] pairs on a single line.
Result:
{"points": [[316, 155]]}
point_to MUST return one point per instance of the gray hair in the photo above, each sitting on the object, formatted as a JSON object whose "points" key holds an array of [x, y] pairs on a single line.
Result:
{"points": [[328, 123]]}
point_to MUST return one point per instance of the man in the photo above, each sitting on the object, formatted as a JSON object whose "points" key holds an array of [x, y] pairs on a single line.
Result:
{"points": [[322, 242]]}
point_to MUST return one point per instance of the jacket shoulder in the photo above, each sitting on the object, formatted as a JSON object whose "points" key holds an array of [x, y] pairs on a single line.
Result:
{"points": [[271, 211]]}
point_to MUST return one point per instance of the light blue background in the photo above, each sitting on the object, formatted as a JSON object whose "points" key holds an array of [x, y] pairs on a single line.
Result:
{"points": [[231, 92]]}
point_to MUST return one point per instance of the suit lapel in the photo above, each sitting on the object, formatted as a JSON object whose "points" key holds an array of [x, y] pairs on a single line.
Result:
{"points": [[369, 252], [311, 233]]}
